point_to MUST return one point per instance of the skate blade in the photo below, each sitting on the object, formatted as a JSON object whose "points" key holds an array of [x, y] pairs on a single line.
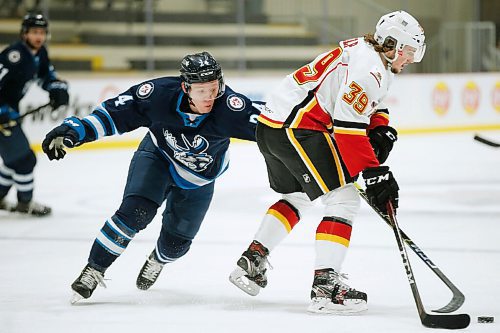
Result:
{"points": [[75, 298], [325, 307], [238, 278]]}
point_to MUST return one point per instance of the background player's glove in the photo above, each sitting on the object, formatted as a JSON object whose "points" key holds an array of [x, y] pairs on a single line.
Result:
{"points": [[7, 119], [57, 139], [382, 139], [381, 187], [58, 94]]}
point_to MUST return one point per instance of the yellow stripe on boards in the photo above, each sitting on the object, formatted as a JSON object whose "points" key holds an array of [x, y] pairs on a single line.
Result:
{"points": [[449, 129], [132, 144]]}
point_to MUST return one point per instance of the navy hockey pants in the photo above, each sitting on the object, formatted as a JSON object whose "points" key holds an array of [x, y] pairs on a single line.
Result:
{"points": [[149, 183], [17, 164]]}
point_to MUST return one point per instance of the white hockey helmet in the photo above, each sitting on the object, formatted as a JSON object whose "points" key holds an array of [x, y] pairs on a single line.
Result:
{"points": [[399, 29]]}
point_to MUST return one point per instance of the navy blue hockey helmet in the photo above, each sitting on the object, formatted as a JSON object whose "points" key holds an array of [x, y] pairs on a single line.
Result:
{"points": [[201, 67], [32, 20]]}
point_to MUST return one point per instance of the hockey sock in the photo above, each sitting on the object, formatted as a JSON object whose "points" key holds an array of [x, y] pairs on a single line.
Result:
{"points": [[332, 240], [278, 222], [110, 243], [5, 180]]}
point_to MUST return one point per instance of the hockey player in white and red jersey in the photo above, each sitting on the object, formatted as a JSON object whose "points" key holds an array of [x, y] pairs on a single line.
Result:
{"points": [[323, 126]]}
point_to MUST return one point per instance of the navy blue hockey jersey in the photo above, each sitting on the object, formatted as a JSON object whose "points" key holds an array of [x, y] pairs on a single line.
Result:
{"points": [[19, 68], [195, 145]]}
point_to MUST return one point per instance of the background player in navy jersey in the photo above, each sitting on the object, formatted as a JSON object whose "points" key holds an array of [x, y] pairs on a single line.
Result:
{"points": [[21, 64], [190, 119]]}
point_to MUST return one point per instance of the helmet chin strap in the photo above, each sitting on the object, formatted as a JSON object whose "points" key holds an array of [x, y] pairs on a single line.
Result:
{"points": [[389, 60]]}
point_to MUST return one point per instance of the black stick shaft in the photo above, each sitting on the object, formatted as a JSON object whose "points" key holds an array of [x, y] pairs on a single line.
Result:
{"points": [[448, 321], [27, 113], [458, 297]]}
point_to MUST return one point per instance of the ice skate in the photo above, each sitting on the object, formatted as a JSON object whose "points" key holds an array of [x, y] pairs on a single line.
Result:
{"points": [[32, 208], [149, 272], [250, 273], [331, 295], [86, 283], [6, 206]]}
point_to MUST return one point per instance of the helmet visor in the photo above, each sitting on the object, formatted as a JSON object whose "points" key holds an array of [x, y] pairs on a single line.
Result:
{"points": [[419, 53]]}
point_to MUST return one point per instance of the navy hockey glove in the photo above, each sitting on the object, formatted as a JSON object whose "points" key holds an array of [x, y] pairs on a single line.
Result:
{"points": [[7, 119], [58, 94], [382, 139], [381, 187], [69, 134]]}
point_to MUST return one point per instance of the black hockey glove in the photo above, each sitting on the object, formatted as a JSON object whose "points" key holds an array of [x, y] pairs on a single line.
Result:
{"points": [[381, 187], [57, 139], [382, 139], [58, 94]]}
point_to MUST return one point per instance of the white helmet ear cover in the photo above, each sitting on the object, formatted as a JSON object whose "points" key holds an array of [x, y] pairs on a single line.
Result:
{"points": [[404, 29]]}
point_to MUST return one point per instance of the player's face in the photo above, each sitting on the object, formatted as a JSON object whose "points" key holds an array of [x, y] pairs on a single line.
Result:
{"points": [[35, 37], [405, 56], [203, 96]]}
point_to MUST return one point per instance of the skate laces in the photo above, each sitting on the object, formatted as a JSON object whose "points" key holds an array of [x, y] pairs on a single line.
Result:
{"points": [[91, 278], [258, 263], [333, 278], [258, 255], [152, 269]]}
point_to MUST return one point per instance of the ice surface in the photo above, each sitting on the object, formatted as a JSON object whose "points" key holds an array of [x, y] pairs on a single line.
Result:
{"points": [[449, 206]]}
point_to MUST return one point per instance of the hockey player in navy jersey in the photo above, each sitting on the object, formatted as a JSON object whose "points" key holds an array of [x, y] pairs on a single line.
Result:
{"points": [[190, 119], [21, 64]]}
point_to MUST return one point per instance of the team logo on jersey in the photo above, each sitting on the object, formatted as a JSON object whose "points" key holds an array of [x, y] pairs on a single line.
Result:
{"points": [[145, 90], [235, 103], [191, 154], [14, 56]]}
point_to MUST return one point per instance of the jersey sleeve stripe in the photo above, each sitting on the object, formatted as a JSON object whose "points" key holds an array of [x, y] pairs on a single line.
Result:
{"points": [[349, 131], [90, 122], [98, 125], [349, 124], [102, 109]]}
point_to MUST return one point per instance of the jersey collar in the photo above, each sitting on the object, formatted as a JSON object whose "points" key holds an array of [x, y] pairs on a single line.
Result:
{"points": [[190, 119]]}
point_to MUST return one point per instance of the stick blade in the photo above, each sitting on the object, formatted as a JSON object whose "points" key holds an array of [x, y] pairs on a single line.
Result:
{"points": [[451, 322], [486, 141], [456, 302]]}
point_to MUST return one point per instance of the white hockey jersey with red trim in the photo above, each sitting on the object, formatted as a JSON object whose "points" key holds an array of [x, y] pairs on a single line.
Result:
{"points": [[339, 92]]}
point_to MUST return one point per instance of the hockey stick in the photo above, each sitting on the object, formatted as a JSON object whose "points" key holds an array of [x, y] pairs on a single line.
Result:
{"points": [[448, 321], [458, 298], [486, 141], [5, 128], [27, 113]]}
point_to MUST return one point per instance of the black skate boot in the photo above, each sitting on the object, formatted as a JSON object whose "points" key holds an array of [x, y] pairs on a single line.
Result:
{"points": [[32, 208], [331, 295], [86, 283], [5, 205], [149, 272], [250, 273]]}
